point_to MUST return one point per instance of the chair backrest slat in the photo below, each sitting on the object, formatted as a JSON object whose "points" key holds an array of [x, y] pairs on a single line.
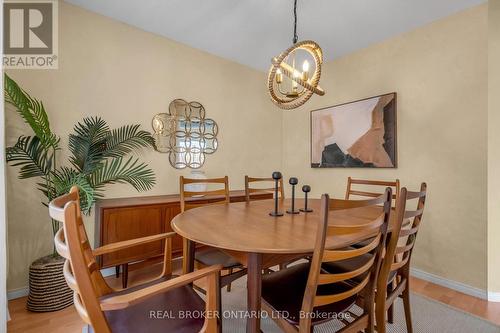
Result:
{"points": [[80, 269], [408, 232], [325, 300], [69, 277], [379, 184], [330, 256], [337, 277], [374, 230], [80, 308], [249, 189], [218, 196]]}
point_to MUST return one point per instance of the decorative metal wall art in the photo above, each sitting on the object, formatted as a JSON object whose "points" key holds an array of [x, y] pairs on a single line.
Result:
{"points": [[185, 134]]}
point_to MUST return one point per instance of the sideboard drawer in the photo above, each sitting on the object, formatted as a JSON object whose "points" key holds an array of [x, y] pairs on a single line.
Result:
{"points": [[128, 223]]}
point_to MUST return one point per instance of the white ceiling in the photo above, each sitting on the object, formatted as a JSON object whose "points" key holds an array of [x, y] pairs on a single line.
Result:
{"points": [[250, 32]]}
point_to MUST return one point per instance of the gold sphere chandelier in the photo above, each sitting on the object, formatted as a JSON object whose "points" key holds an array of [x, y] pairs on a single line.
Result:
{"points": [[299, 86]]}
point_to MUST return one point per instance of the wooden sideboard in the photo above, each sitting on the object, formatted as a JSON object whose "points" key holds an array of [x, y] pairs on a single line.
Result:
{"points": [[128, 218]]}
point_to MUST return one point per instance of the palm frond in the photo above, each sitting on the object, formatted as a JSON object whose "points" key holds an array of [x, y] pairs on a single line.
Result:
{"points": [[88, 144], [32, 111], [31, 156], [131, 172], [125, 139], [66, 177]]}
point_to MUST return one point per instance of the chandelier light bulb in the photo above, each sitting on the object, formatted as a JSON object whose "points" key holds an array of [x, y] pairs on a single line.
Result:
{"points": [[305, 66], [279, 76], [305, 70]]}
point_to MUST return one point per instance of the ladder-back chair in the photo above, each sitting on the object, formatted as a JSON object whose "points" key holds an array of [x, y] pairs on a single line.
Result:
{"points": [[209, 255], [360, 188], [107, 310], [309, 296], [249, 189], [394, 278]]}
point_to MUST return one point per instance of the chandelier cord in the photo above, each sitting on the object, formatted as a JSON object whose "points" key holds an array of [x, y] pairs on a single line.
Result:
{"points": [[295, 36]]}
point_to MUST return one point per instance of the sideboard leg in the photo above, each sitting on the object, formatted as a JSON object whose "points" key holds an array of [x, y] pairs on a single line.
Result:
{"points": [[124, 275]]}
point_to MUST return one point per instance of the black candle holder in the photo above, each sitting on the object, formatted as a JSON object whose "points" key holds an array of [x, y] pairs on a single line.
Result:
{"points": [[306, 189], [293, 181], [276, 176]]}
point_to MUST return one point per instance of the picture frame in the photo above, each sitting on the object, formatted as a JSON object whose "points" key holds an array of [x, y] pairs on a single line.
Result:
{"points": [[357, 134]]}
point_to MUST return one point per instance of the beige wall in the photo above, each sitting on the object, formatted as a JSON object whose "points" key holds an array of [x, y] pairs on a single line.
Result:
{"points": [[440, 74], [126, 76], [494, 147]]}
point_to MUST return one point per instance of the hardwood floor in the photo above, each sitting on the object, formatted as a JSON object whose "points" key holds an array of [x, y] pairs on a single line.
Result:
{"points": [[68, 321], [473, 305]]}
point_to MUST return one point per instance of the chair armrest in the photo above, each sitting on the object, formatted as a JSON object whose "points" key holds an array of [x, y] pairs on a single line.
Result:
{"points": [[113, 247], [126, 300]]}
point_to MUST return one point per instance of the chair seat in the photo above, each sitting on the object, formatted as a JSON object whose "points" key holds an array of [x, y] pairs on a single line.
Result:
{"points": [[284, 291], [347, 265], [160, 313], [213, 256]]}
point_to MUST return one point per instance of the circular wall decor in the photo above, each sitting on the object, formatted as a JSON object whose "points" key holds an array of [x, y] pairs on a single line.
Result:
{"points": [[185, 134]]}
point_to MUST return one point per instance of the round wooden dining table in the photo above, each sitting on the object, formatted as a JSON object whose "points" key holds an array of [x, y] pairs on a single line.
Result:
{"points": [[257, 240]]}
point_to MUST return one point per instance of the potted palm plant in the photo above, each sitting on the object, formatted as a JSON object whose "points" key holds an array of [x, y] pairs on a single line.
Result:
{"points": [[99, 156]]}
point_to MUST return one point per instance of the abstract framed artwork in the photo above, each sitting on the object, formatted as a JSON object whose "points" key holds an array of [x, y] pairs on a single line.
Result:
{"points": [[360, 134]]}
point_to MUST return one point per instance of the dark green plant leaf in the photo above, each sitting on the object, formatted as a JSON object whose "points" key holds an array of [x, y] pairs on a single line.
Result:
{"points": [[117, 171], [32, 111], [65, 178], [88, 144], [33, 158], [124, 140]]}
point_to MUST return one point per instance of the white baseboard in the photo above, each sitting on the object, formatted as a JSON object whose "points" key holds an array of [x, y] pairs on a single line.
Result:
{"points": [[458, 286], [493, 297], [17, 293], [23, 292]]}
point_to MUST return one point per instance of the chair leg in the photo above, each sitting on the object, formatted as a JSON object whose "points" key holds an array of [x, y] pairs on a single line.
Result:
{"points": [[117, 271], [380, 315], [390, 314], [219, 305], [390, 311], [228, 288], [406, 302]]}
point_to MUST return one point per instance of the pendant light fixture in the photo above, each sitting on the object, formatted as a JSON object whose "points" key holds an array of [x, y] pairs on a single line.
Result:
{"points": [[288, 86]]}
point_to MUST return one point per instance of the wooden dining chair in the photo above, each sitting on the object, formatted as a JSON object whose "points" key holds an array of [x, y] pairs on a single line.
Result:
{"points": [[208, 255], [363, 188], [249, 189], [134, 309], [394, 276], [376, 188], [393, 280], [309, 296]]}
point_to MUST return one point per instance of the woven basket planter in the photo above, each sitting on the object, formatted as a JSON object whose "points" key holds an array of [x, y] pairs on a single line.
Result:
{"points": [[48, 290]]}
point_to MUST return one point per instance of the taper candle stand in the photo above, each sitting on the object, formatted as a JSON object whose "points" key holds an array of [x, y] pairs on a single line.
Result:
{"points": [[293, 181], [306, 189], [276, 176]]}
